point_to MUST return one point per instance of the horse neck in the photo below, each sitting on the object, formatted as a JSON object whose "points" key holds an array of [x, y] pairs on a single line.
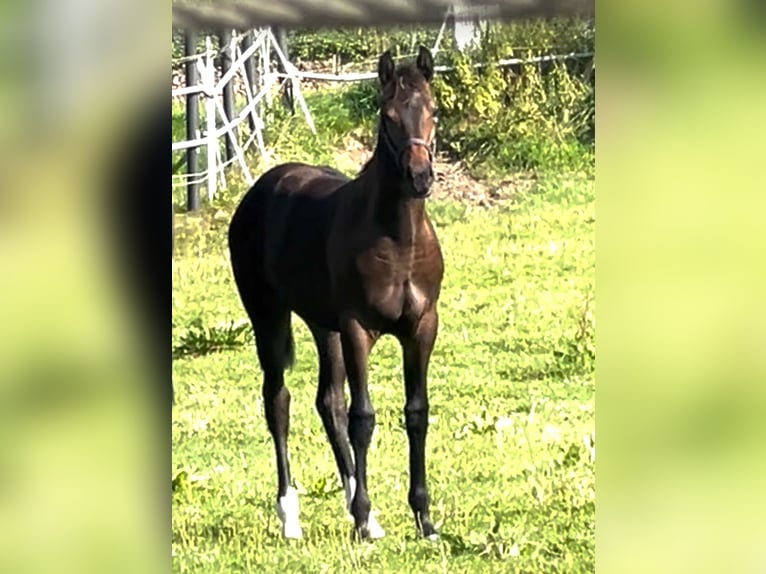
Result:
{"points": [[391, 207]]}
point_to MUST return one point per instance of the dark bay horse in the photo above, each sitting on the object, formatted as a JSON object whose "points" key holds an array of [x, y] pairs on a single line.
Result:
{"points": [[355, 259]]}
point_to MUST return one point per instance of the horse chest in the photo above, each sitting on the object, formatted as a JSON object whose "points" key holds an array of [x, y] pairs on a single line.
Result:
{"points": [[393, 291], [398, 300]]}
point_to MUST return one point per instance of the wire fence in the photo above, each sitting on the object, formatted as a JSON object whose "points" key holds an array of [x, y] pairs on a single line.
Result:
{"points": [[215, 171], [361, 76], [219, 121]]}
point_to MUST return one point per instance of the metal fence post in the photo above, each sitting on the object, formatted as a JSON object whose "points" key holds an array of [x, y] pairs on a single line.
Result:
{"points": [[192, 120]]}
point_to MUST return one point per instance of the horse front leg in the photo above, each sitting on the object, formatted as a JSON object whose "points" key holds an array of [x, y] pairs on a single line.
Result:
{"points": [[331, 405], [357, 343], [417, 349]]}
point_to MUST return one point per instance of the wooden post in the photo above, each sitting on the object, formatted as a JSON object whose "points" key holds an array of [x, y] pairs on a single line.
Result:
{"points": [[224, 41], [192, 121]]}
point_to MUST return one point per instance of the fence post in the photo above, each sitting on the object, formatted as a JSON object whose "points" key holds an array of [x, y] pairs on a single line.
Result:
{"points": [[212, 142], [192, 121], [280, 34], [224, 41], [266, 68], [249, 64]]}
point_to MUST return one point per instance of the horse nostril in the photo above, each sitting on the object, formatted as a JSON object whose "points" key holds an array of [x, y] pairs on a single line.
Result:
{"points": [[422, 180]]}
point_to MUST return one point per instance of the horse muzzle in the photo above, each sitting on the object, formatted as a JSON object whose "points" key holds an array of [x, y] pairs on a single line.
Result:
{"points": [[421, 181]]}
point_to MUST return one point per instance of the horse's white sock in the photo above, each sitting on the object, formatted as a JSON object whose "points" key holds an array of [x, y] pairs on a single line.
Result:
{"points": [[349, 486], [287, 511]]}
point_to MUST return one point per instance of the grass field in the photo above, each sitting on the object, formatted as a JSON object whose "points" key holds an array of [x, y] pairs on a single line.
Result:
{"points": [[511, 444]]}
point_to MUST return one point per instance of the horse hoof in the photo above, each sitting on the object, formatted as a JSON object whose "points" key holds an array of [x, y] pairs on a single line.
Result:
{"points": [[370, 531], [374, 529], [429, 532]]}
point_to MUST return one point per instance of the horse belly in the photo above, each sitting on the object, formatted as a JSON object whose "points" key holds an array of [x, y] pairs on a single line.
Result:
{"points": [[306, 286], [298, 273], [315, 308]]}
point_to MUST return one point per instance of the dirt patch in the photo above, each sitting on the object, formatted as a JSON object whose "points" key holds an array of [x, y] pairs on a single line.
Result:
{"points": [[453, 181]]}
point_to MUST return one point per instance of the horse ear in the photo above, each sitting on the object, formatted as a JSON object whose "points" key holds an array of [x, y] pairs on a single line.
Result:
{"points": [[425, 63], [385, 68]]}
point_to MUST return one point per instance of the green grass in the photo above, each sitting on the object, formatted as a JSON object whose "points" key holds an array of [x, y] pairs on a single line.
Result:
{"points": [[512, 436]]}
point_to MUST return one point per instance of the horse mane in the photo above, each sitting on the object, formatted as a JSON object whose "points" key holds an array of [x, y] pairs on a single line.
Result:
{"points": [[366, 165]]}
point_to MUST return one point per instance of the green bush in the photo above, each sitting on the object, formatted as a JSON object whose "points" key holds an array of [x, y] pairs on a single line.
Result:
{"points": [[357, 44], [530, 117], [495, 119]]}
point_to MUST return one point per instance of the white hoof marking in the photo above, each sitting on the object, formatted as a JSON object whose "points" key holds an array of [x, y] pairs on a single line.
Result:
{"points": [[349, 486], [287, 511]]}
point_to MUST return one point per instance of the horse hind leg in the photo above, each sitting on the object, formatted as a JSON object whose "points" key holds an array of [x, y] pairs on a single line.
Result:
{"points": [[270, 319], [274, 345]]}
